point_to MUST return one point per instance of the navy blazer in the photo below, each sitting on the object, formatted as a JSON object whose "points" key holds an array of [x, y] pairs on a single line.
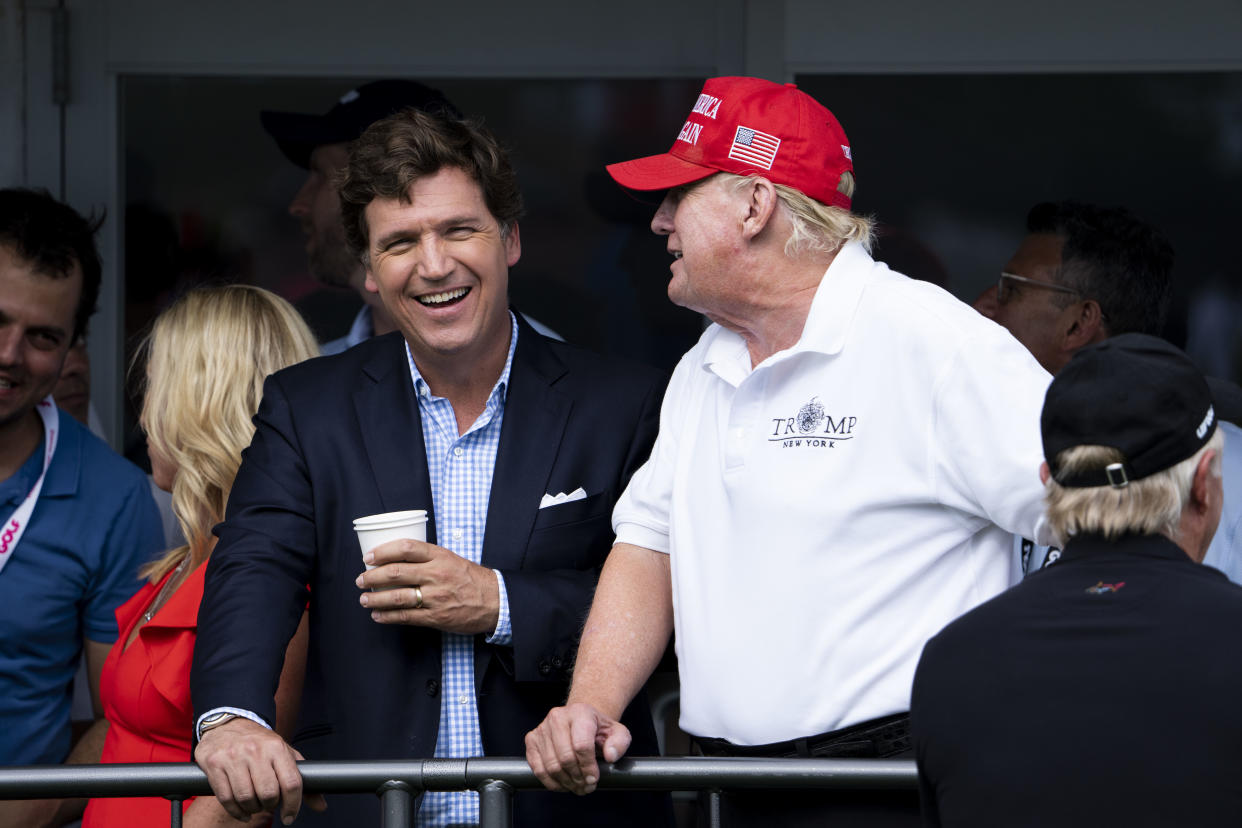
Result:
{"points": [[340, 437]]}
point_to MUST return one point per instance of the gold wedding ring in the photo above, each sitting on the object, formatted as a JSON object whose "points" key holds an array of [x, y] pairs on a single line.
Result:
{"points": [[418, 597]]}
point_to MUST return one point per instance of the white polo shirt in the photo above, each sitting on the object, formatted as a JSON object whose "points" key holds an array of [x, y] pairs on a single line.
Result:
{"points": [[832, 509]]}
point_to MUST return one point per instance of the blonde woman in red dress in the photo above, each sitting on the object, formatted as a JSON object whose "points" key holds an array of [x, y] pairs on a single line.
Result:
{"points": [[207, 357]]}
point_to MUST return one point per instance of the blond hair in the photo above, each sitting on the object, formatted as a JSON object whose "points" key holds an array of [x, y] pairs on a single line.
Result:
{"points": [[207, 357], [1150, 506], [817, 227]]}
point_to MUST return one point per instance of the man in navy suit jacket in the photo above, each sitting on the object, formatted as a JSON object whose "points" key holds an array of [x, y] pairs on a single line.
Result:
{"points": [[466, 412]]}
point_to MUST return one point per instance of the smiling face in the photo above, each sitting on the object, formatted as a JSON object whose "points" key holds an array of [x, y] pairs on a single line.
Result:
{"points": [[441, 267], [36, 330]]}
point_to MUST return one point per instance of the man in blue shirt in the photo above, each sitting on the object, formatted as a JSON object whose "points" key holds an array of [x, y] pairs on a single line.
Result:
{"points": [[517, 446], [1225, 553], [78, 519]]}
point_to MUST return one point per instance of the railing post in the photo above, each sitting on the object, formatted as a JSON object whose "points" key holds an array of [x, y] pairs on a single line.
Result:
{"points": [[496, 804], [713, 808], [396, 803], [174, 819]]}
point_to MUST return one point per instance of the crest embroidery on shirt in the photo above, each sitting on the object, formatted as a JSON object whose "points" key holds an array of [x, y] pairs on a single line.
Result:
{"points": [[814, 425]]}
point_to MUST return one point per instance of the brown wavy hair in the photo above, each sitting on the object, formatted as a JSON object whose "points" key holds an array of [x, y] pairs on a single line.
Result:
{"points": [[397, 150]]}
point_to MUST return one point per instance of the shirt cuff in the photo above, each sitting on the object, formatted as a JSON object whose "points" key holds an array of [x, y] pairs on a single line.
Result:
{"points": [[236, 711], [636, 534], [503, 634]]}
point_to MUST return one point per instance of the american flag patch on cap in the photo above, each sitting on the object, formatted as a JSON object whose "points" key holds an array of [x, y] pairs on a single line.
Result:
{"points": [[754, 147]]}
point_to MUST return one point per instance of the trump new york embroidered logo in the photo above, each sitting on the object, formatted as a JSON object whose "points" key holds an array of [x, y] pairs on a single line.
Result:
{"points": [[754, 147], [812, 427]]}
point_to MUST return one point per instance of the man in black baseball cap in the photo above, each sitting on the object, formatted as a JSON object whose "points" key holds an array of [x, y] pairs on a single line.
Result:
{"points": [[1107, 683], [320, 144], [1135, 394]]}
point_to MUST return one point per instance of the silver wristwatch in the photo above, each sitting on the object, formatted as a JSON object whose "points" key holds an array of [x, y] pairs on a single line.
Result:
{"points": [[214, 720]]}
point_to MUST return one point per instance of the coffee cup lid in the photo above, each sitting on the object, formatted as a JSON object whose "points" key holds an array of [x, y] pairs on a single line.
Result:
{"points": [[391, 519]]}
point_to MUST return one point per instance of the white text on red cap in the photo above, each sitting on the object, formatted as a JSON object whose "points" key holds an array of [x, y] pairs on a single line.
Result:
{"points": [[690, 132], [706, 106]]}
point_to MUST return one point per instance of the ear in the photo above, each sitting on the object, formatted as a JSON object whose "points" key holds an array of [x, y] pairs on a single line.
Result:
{"points": [[986, 304], [1083, 324], [513, 245], [1044, 473], [369, 283], [1201, 490], [761, 201]]}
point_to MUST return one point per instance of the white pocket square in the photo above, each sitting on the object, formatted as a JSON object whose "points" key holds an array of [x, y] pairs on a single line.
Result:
{"points": [[556, 500]]}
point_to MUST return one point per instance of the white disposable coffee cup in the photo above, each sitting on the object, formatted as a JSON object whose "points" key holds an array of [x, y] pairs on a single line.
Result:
{"points": [[373, 530]]}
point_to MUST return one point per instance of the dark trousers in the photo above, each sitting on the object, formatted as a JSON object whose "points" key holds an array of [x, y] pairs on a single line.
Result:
{"points": [[883, 738]]}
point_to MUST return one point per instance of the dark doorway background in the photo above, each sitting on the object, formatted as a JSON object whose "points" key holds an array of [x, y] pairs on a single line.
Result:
{"points": [[950, 164], [206, 194]]}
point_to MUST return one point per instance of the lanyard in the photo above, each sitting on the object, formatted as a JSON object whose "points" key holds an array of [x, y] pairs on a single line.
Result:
{"points": [[16, 525]]}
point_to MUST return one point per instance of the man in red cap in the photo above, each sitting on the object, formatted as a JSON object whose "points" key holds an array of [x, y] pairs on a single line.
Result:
{"points": [[841, 462]]}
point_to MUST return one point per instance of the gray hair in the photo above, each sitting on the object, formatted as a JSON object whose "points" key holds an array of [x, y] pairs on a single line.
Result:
{"points": [[817, 227], [1150, 506]]}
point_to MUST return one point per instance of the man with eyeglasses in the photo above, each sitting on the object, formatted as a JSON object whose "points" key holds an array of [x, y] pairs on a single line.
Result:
{"points": [[1085, 273], [1082, 274]]}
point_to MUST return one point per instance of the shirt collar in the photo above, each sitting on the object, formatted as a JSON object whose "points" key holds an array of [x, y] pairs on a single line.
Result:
{"points": [[62, 474], [14, 490], [66, 469], [827, 323], [362, 329], [836, 301], [1149, 546], [500, 389]]}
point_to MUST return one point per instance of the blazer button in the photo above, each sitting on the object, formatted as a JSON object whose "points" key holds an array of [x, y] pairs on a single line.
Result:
{"points": [[433, 687], [557, 663], [544, 667]]}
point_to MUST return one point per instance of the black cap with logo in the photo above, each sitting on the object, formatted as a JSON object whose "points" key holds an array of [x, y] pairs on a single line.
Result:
{"points": [[298, 134], [1135, 393]]}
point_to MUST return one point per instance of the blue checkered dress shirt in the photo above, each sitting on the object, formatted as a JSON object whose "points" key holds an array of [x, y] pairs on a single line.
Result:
{"points": [[460, 467]]}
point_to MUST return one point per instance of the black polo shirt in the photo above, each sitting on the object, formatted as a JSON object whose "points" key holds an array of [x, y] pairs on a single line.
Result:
{"points": [[1103, 690]]}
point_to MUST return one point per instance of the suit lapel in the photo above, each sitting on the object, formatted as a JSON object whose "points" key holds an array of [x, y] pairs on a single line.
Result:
{"points": [[392, 432], [535, 419]]}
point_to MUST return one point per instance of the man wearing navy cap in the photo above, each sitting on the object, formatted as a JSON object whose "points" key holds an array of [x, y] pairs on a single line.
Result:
{"points": [[1103, 689], [840, 462], [319, 144]]}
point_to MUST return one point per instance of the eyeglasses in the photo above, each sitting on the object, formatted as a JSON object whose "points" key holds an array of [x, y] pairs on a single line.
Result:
{"points": [[1003, 294]]}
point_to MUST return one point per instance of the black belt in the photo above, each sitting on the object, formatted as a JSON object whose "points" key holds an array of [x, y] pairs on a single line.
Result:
{"points": [[874, 738]]}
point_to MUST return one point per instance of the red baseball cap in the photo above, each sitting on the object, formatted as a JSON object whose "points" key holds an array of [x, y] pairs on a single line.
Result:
{"points": [[750, 126]]}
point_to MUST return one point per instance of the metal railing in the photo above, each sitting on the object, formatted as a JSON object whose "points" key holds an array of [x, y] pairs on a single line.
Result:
{"points": [[496, 780]]}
